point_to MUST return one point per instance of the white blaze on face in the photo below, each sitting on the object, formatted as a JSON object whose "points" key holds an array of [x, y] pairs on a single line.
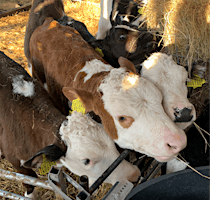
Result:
{"points": [[22, 87], [139, 117], [91, 151], [93, 67], [170, 79]]}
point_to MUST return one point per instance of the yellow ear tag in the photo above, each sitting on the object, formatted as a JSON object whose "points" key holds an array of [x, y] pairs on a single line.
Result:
{"points": [[196, 82], [99, 51], [45, 166], [77, 106], [141, 10]]}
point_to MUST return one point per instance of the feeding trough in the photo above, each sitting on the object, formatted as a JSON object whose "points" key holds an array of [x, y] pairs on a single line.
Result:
{"points": [[184, 185]]}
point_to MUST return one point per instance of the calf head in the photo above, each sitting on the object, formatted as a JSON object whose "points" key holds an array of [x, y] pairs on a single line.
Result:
{"points": [[170, 79], [131, 111], [90, 151], [124, 41]]}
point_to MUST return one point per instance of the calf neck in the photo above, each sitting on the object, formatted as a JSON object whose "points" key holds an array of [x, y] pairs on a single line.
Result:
{"points": [[40, 10], [129, 106]]}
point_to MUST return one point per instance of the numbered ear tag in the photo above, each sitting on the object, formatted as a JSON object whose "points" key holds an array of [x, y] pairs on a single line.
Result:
{"points": [[196, 82], [141, 10], [77, 106], [46, 165], [99, 51]]}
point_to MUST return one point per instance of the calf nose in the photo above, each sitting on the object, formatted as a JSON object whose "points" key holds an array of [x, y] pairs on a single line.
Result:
{"points": [[176, 143], [183, 115]]}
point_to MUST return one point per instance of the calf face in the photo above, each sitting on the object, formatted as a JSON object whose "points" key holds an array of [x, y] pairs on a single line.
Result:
{"points": [[90, 151], [170, 79], [124, 107], [121, 40], [31, 126], [135, 45]]}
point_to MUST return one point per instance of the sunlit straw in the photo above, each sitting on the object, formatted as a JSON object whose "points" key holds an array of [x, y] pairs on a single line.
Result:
{"points": [[191, 167]]}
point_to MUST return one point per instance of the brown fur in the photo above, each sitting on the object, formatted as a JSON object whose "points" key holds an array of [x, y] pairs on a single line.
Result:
{"points": [[28, 124], [65, 53], [40, 10]]}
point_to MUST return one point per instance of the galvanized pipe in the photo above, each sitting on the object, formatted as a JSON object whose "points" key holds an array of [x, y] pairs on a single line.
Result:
{"points": [[25, 179], [12, 195], [111, 168]]}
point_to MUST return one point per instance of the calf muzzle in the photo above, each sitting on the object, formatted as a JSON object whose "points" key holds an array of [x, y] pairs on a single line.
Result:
{"points": [[183, 115]]}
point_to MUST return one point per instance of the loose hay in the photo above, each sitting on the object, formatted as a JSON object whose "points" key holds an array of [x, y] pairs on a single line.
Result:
{"points": [[185, 25], [12, 31]]}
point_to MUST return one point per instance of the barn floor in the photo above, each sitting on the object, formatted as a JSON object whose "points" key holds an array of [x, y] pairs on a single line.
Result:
{"points": [[12, 31]]}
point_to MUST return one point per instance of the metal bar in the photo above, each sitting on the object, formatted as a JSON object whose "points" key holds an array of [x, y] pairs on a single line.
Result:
{"points": [[25, 179], [140, 161], [146, 166], [150, 172], [100, 180], [156, 171], [11, 195], [84, 182]]}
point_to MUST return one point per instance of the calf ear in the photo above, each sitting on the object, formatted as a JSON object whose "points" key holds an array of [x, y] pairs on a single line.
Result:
{"points": [[124, 62], [85, 97], [52, 153], [70, 93]]}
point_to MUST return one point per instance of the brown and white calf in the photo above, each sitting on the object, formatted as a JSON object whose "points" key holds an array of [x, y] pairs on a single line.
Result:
{"points": [[39, 11], [171, 80], [30, 126], [129, 106], [123, 41]]}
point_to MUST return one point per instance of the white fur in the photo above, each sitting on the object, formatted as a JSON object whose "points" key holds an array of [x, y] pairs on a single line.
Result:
{"points": [[85, 138], [22, 87], [0, 153], [175, 166], [170, 79], [152, 129], [93, 67], [22, 162]]}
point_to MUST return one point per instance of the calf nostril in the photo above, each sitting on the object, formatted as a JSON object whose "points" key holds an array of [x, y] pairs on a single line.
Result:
{"points": [[171, 147], [183, 115]]}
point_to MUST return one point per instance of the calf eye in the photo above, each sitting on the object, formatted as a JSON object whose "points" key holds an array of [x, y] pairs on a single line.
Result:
{"points": [[122, 37], [121, 118], [86, 161]]}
